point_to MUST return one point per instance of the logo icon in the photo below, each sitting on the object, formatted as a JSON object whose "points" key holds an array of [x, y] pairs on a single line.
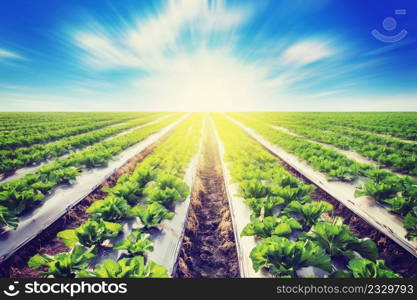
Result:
{"points": [[390, 24], [12, 291]]}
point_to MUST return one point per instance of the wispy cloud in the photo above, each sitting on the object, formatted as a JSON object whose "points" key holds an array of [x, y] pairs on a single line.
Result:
{"points": [[327, 94], [146, 45], [307, 52], [6, 54], [391, 47], [101, 52]]}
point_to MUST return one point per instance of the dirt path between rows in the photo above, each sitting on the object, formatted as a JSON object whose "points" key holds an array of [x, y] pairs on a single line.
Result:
{"points": [[208, 249]]}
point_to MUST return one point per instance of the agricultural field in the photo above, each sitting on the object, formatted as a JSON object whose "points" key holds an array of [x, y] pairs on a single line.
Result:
{"points": [[197, 195]]}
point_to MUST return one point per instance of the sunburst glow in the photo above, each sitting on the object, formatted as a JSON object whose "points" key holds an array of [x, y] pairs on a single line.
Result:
{"points": [[207, 81]]}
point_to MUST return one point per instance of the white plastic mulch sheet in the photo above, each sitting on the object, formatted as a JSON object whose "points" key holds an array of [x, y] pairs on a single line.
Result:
{"points": [[367, 208], [64, 198], [167, 238], [32, 169]]}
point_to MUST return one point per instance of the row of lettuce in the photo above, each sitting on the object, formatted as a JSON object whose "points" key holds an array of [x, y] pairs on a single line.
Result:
{"points": [[398, 155], [20, 195], [13, 122], [397, 193], [148, 195], [291, 230], [35, 123], [41, 134], [393, 124], [13, 159]]}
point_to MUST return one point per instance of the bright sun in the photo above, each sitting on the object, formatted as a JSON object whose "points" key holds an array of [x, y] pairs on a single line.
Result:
{"points": [[209, 81]]}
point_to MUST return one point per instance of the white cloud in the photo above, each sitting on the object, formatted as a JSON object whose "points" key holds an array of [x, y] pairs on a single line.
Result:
{"points": [[145, 45], [8, 55], [306, 52], [102, 53], [326, 94]]}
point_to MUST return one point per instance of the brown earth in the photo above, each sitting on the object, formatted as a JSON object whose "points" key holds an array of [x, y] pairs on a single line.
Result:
{"points": [[208, 249]]}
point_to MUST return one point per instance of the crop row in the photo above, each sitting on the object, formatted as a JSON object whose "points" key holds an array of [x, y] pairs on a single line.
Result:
{"points": [[19, 195], [25, 138], [18, 121], [401, 125], [288, 226], [276, 118], [399, 193], [36, 128], [16, 126], [11, 160], [398, 155], [147, 195]]}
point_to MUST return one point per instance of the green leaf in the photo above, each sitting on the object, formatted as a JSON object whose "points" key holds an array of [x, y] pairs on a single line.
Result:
{"points": [[152, 214], [38, 260], [110, 269], [127, 268], [410, 223], [337, 240], [111, 208], [308, 213], [263, 207], [284, 257], [364, 268], [69, 237], [92, 232], [166, 190], [366, 248], [66, 264], [271, 225], [136, 242], [8, 218]]}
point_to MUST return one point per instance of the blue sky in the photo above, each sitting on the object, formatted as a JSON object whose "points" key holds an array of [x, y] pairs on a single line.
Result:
{"points": [[210, 55]]}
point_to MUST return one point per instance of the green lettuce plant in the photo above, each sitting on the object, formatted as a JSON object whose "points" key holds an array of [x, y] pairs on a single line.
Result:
{"points": [[337, 240], [281, 256], [92, 232], [136, 242], [308, 214], [271, 225], [112, 208], [63, 264], [152, 214], [364, 268], [126, 268]]}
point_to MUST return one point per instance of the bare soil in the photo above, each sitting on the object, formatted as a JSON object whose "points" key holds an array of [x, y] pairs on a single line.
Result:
{"points": [[208, 249], [47, 242]]}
